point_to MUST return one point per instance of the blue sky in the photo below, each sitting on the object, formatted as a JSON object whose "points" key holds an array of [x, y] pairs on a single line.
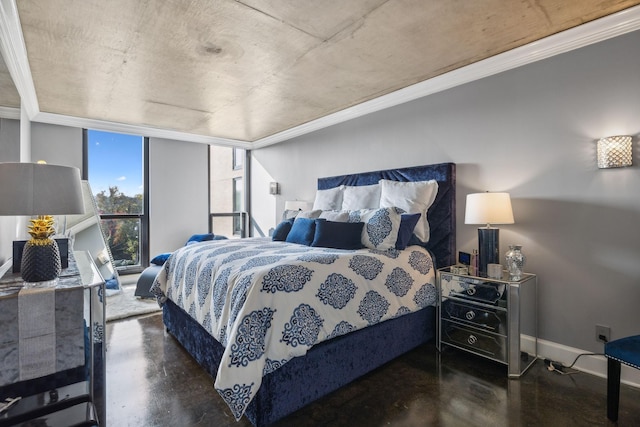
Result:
{"points": [[115, 159]]}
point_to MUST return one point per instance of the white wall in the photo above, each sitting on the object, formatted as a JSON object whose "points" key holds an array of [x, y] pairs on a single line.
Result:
{"points": [[178, 193], [529, 131]]}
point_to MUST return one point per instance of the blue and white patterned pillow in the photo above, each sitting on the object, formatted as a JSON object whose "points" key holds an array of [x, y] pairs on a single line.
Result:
{"points": [[381, 227]]}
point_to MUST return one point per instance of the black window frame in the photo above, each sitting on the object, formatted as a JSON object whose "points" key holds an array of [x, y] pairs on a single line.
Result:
{"points": [[142, 217]]}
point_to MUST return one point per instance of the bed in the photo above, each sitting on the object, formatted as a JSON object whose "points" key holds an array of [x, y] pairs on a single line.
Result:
{"points": [[309, 352]]}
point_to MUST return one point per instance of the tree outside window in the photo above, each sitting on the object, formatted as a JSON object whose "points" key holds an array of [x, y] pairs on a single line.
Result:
{"points": [[115, 164]]}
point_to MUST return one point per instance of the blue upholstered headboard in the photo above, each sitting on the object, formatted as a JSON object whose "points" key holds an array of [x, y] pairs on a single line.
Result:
{"points": [[442, 213]]}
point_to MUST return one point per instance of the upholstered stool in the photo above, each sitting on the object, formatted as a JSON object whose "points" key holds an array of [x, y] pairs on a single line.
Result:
{"points": [[627, 351], [146, 280]]}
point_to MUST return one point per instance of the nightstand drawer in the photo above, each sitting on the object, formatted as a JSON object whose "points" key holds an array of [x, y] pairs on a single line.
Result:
{"points": [[492, 320], [483, 343], [472, 289]]}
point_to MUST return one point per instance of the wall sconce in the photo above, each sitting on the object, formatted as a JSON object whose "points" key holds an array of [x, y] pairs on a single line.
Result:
{"points": [[274, 188], [614, 152]]}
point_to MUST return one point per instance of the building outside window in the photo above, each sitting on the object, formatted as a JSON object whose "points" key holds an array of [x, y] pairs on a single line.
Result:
{"points": [[237, 205], [226, 190], [238, 158]]}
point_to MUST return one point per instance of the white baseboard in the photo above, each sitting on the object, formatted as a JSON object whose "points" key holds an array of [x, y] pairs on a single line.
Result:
{"points": [[595, 365]]}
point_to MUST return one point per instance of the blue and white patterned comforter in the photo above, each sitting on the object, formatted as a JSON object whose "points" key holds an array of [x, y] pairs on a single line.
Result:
{"points": [[267, 302]]}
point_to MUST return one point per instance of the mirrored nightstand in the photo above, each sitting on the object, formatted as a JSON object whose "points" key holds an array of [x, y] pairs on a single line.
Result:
{"points": [[52, 349], [493, 318]]}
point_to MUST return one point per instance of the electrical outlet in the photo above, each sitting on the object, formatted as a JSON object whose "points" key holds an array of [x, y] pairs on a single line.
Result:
{"points": [[603, 333]]}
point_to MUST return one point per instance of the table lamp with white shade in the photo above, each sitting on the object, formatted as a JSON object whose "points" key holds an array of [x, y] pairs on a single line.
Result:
{"points": [[489, 209]]}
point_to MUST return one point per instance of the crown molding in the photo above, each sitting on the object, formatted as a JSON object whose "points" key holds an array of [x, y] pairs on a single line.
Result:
{"points": [[14, 52], [9, 113], [586, 34], [79, 122]]}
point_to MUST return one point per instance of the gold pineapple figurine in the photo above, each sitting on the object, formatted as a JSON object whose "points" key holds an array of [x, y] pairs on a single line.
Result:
{"points": [[41, 256]]}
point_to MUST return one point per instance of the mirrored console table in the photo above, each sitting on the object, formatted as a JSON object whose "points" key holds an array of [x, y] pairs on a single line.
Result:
{"points": [[52, 349]]}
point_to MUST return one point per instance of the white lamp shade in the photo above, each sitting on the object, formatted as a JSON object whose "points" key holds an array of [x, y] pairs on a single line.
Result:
{"points": [[297, 205], [488, 208], [40, 189]]}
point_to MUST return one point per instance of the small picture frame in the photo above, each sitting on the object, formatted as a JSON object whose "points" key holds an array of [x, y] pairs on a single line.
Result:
{"points": [[464, 258]]}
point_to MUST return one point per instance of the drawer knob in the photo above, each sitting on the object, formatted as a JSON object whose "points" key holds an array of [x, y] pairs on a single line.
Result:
{"points": [[470, 315], [472, 339]]}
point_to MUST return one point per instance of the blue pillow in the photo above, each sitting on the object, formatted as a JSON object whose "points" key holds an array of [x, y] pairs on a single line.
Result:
{"points": [[282, 230], [111, 283], [302, 231], [338, 235], [199, 238], [407, 224], [160, 259]]}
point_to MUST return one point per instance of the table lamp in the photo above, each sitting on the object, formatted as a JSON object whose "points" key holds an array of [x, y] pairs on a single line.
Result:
{"points": [[488, 208], [40, 190]]}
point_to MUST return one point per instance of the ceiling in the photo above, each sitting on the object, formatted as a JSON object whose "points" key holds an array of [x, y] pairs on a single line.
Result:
{"points": [[244, 71]]}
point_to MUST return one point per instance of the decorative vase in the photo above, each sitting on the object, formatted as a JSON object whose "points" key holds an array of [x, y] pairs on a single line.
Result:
{"points": [[40, 262], [515, 260], [40, 256]]}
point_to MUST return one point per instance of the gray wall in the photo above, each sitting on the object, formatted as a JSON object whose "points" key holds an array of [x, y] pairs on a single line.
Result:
{"points": [[178, 190], [9, 152], [529, 131], [57, 145], [178, 193]]}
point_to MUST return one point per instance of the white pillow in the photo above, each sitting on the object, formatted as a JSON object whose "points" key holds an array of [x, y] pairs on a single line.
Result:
{"points": [[412, 197], [309, 214], [289, 213], [381, 227], [337, 216], [361, 197], [329, 200]]}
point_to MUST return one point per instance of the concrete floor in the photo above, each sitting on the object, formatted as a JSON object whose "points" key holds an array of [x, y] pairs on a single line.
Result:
{"points": [[152, 381]]}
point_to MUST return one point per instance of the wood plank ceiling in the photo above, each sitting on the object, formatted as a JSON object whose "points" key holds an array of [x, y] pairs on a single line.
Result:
{"points": [[247, 69]]}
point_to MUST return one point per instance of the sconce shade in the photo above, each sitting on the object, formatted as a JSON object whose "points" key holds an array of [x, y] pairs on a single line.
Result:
{"points": [[488, 208], [40, 189], [614, 152], [295, 205]]}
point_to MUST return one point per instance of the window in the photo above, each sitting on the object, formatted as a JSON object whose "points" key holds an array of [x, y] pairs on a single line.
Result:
{"points": [[226, 191], [237, 205], [238, 155], [116, 170]]}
